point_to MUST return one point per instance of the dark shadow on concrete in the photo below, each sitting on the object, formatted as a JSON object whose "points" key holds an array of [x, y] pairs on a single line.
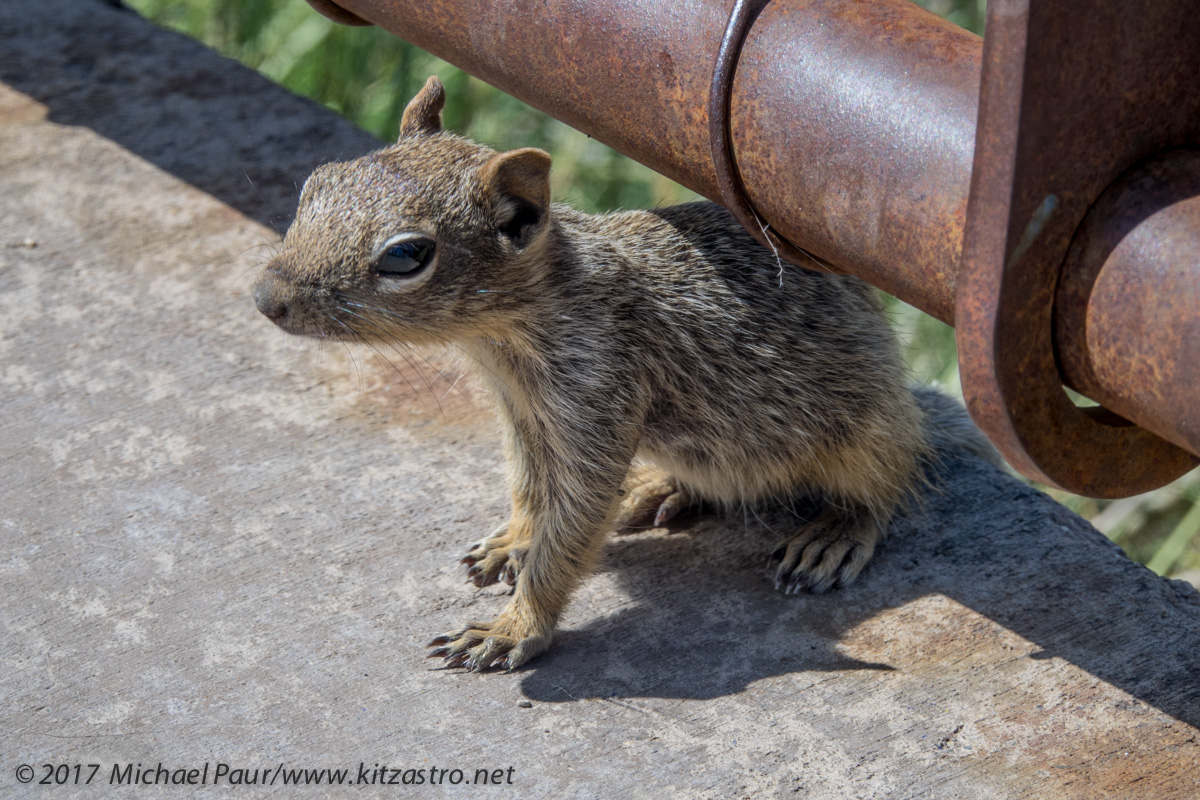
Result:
{"points": [[252, 150], [705, 621]]}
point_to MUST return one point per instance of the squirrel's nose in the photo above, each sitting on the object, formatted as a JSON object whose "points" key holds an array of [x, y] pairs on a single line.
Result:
{"points": [[269, 302]]}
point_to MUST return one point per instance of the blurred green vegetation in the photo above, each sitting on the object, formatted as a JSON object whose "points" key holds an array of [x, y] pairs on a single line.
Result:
{"points": [[367, 75]]}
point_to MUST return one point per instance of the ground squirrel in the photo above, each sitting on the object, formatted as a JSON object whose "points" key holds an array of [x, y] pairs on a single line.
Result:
{"points": [[642, 362]]}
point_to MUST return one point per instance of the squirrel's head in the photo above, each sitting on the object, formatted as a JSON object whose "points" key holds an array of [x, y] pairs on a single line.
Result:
{"points": [[430, 239]]}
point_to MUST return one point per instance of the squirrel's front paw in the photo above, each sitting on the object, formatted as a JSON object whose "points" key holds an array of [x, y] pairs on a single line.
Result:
{"points": [[498, 557], [501, 643], [828, 552]]}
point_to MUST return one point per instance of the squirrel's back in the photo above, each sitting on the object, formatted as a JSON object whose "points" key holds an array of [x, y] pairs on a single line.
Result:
{"points": [[756, 378]]}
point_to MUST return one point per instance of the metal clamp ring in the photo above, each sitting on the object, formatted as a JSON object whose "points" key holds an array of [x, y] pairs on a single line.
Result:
{"points": [[733, 191]]}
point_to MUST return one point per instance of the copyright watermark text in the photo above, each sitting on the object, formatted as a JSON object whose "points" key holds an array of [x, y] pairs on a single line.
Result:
{"points": [[281, 774]]}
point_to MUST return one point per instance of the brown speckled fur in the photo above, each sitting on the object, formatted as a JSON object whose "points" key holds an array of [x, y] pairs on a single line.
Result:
{"points": [[667, 339]]}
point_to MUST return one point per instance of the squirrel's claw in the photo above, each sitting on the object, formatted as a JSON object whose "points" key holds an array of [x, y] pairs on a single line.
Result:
{"points": [[456, 661], [671, 505]]}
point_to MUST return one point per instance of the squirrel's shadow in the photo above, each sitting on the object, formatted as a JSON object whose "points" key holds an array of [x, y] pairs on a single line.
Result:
{"points": [[704, 620]]}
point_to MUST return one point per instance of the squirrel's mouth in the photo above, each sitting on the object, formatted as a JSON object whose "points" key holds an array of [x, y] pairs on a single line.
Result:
{"points": [[302, 313], [327, 325], [279, 303]]}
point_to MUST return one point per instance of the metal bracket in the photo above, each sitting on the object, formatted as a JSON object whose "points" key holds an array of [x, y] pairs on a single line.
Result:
{"points": [[1070, 100]]}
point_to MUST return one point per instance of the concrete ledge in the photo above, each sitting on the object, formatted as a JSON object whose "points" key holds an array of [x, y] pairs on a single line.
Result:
{"points": [[223, 546]]}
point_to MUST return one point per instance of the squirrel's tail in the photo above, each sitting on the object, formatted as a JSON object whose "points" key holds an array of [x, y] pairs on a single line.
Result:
{"points": [[948, 429]]}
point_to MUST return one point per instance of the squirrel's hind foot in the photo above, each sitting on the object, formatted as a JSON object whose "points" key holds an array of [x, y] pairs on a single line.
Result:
{"points": [[830, 551], [652, 497], [496, 558]]}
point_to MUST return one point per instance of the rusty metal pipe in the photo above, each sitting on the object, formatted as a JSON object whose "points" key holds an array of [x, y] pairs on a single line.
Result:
{"points": [[1127, 296]]}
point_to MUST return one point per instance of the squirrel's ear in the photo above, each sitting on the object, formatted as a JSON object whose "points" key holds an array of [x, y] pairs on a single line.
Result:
{"points": [[423, 114], [521, 180]]}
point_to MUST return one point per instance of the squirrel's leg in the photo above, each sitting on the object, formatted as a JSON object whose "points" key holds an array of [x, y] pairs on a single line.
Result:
{"points": [[651, 497], [499, 555], [564, 498]]}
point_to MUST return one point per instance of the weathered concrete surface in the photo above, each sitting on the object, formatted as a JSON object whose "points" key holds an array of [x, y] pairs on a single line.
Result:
{"points": [[220, 545]]}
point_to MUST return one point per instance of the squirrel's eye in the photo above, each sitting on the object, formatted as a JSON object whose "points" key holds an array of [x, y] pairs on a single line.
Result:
{"points": [[405, 258]]}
